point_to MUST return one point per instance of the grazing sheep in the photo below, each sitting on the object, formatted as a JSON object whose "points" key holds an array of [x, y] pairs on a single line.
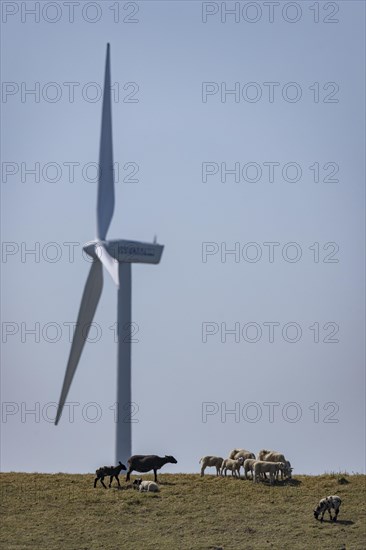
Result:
{"points": [[145, 486], [146, 463], [328, 503], [112, 471], [248, 466], [211, 461], [262, 467], [275, 456], [233, 465]]}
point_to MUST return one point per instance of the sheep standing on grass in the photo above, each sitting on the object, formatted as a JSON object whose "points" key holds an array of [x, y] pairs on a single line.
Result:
{"points": [[209, 462], [233, 465], [275, 456], [249, 466], [262, 467], [111, 471], [145, 486], [241, 453], [146, 463], [328, 503]]}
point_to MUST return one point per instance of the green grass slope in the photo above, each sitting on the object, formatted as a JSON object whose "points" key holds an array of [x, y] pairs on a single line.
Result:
{"points": [[41, 511]]}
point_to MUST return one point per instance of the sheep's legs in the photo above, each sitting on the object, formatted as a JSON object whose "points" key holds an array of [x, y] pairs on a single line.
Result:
{"points": [[102, 482], [96, 481], [155, 476], [111, 479], [128, 474]]}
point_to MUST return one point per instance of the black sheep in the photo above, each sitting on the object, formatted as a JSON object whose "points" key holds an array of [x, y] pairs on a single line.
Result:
{"points": [[112, 471], [146, 463]]}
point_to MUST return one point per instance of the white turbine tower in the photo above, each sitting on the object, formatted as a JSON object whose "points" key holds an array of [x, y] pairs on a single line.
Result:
{"points": [[116, 256]]}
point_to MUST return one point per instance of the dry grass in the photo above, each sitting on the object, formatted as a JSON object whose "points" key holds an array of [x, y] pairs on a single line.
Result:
{"points": [[60, 511]]}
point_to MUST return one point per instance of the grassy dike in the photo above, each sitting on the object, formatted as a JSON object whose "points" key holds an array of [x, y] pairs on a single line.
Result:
{"points": [[61, 511]]}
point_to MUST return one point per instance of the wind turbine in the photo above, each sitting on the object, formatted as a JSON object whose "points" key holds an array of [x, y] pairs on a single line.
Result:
{"points": [[117, 257]]}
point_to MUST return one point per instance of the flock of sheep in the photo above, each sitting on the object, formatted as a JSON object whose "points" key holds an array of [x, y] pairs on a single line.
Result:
{"points": [[267, 462], [271, 462]]}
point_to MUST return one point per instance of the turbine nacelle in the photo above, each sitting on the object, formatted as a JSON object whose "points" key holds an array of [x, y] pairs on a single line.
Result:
{"points": [[125, 251]]}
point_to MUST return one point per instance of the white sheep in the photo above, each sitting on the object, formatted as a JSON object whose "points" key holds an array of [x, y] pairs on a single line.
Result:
{"points": [[237, 453], [211, 461], [233, 465], [248, 466], [328, 503], [262, 467], [146, 486], [275, 456]]}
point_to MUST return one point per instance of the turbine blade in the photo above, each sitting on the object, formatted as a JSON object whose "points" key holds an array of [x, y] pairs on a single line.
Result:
{"points": [[89, 302], [109, 263], [105, 200]]}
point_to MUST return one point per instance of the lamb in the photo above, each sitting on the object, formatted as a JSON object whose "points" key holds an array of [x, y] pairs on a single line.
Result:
{"points": [[261, 467], [233, 465], [145, 486], [237, 453], [211, 461], [328, 503], [112, 471], [146, 463], [248, 466], [275, 456]]}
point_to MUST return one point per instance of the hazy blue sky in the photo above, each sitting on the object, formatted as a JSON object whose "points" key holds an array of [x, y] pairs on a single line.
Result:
{"points": [[188, 373]]}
